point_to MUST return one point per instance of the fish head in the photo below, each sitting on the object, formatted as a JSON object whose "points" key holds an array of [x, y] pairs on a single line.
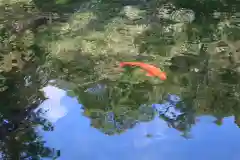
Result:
{"points": [[162, 76]]}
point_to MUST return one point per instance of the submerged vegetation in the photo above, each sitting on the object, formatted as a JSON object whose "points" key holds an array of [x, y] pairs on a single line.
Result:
{"points": [[79, 44]]}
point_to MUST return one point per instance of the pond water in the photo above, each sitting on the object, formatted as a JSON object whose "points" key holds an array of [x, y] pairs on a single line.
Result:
{"points": [[74, 136], [64, 97]]}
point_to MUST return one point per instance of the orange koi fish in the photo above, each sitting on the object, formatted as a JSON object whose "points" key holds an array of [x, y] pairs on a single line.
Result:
{"points": [[151, 70]]}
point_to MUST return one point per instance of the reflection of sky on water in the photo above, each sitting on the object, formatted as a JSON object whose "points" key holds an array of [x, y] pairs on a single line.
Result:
{"points": [[77, 140], [168, 108]]}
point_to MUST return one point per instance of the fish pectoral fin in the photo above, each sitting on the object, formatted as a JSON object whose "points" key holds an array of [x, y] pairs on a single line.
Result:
{"points": [[149, 75]]}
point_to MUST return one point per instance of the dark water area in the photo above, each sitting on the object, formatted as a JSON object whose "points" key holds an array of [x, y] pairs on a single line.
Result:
{"points": [[63, 96]]}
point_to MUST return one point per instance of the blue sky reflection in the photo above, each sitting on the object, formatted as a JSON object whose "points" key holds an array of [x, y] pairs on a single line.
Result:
{"points": [[76, 139]]}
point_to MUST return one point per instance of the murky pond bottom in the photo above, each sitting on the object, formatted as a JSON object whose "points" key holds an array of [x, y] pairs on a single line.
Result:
{"points": [[75, 136]]}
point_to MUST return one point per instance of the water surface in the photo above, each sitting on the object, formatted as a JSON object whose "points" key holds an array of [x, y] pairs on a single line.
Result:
{"points": [[64, 97]]}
